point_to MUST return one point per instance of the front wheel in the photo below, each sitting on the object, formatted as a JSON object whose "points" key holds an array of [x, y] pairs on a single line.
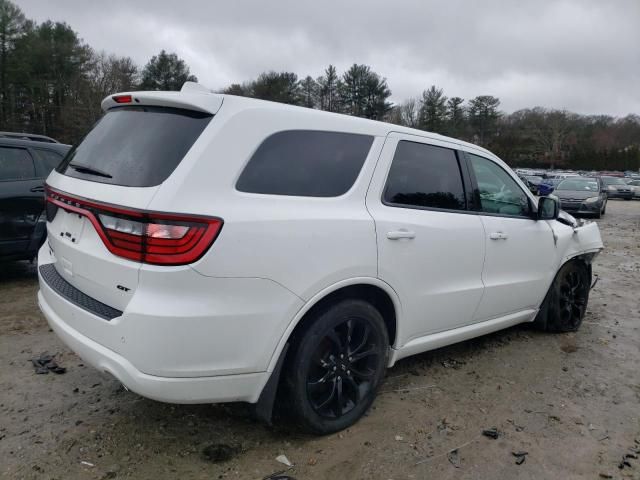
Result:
{"points": [[566, 302], [336, 366]]}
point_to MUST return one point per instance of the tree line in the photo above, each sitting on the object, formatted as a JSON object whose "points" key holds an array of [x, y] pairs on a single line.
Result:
{"points": [[52, 83]]}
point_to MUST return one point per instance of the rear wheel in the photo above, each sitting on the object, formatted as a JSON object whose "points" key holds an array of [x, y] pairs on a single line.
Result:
{"points": [[336, 366], [566, 302]]}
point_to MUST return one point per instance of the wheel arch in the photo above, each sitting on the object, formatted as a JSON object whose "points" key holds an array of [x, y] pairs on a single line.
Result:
{"points": [[379, 293], [374, 290]]}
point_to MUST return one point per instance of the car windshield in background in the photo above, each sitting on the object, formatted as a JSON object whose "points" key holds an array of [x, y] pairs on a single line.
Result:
{"points": [[135, 146], [579, 184], [613, 181]]}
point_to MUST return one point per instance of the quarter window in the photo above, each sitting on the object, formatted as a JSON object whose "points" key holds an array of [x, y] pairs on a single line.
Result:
{"points": [[49, 159], [15, 164], [425, 176], [499, 193], [306, 163]]}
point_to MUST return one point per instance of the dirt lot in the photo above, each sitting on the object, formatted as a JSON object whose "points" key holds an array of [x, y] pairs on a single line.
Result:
{"points": [[571, 401]]}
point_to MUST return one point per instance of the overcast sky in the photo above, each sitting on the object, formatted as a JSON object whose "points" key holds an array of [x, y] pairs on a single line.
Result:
{"points": [[580, 55]]}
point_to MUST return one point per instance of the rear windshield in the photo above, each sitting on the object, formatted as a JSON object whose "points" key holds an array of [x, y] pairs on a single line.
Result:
{"points": [[135, 146]]}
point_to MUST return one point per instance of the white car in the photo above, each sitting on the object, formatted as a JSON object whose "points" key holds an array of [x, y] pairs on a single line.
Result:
{"points": [[211, 248]]}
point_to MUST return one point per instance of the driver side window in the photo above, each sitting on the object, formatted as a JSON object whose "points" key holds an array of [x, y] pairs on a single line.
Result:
{"points": [[499, 193]]}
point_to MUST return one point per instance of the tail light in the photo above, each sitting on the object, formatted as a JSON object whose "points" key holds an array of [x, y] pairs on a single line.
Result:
{"points": [[148, 237]]}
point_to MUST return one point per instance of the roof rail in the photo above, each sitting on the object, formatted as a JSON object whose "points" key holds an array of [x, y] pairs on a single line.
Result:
{"points": [[28, 136]]}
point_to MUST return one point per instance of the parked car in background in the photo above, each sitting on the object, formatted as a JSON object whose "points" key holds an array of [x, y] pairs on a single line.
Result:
{"points": [[212, 248], [24, 165], [532, 182], [617, 187], [582, 196], [635, 188], [548, 185]]}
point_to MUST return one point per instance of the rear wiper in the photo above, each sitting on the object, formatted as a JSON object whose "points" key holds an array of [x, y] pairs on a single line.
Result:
{"points": [[90, 170]]}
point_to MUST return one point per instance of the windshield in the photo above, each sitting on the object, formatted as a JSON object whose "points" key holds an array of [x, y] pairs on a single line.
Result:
{"points": [[613, 181], [135, 146], [579, 184]]}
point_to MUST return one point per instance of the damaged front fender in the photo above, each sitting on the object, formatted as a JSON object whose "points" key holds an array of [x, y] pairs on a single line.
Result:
{"points": [[576, 238]]}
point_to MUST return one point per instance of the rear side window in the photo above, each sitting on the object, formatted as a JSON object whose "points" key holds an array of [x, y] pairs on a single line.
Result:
{"points": [[306, 163], [15, 164], [135, 146], [425, 176], [49, 158]]}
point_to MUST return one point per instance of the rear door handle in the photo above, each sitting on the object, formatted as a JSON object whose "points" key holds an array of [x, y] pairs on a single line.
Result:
{"points": [[398, 234], [38, 189], [498, 236]]}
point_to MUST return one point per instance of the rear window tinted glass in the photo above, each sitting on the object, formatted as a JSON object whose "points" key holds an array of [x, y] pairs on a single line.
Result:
{"points": [[305, 163], [425, 176], [15, 164], [135, 146]]}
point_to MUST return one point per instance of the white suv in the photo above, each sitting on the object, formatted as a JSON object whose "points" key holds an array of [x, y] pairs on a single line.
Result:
{"points": [[211, 248]]}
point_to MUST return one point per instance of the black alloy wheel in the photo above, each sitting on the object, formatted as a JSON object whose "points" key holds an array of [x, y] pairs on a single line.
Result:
{"points": [[565, 305], [337, 365], [342, 367]]}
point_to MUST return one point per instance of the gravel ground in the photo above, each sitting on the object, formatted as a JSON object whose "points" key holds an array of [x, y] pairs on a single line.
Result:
{"points": [[572, 401]]}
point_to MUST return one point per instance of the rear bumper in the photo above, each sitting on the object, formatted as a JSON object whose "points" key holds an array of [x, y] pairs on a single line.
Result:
{"points": [[224, 388], [183, 337]]}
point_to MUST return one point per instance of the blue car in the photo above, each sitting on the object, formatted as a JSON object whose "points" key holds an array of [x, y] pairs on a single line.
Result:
{"points": [[548, 185]]}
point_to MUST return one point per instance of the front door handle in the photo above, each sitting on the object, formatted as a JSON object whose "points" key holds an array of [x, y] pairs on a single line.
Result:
{"points": [[398, 234], [498, 236]]}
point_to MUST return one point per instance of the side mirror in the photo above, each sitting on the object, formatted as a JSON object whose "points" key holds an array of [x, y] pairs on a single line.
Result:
{"points": [[548, 208]]}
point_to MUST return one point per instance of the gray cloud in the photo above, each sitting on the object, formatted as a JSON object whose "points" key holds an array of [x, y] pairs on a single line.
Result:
{"points": [[582, 55]]}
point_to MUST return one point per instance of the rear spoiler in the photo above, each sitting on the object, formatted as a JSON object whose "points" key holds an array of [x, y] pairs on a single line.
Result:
{"points": [[192, 97]]}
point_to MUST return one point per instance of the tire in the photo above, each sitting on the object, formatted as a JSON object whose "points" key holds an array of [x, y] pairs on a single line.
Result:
{"points": [[566, 301], [328, 392], [604, 208], [598, 215]]}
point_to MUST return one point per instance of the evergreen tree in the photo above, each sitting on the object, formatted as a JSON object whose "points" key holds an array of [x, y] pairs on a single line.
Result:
{"points": [[433, 111], [165, 71]]}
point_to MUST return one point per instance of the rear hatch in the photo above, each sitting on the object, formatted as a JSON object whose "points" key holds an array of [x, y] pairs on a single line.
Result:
{"points": [[96, 199]]}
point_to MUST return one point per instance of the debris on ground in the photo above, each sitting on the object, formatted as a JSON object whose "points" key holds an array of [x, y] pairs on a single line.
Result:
{"points": [[454, 458], [521, 457], [453, 363], [45, 363], [399, 438], [278, 476], [88, 464], [284, 460], [492, 432], [220, 452]]}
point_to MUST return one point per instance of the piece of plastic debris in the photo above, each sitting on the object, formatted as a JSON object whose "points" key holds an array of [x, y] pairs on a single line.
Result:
{"points": [[454, 458], [88, 464], [491, 432], [453, 363], [219, 452], [278, 476], [284, 460], [45, 363], [521, 456]]}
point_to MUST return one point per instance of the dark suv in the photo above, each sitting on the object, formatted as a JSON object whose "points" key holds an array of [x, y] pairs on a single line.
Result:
{"points": [[24, 165]]}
